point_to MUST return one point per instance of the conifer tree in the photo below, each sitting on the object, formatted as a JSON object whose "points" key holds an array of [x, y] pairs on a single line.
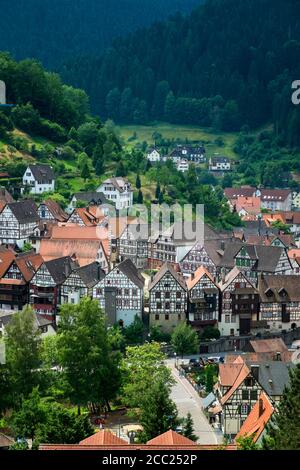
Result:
{"points": [[188, 428], [138, 183], [283, 432]]}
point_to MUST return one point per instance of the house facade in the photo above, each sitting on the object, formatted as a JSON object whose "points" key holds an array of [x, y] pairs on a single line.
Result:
{"points": [[39, 179], [153, 155], [121, 294], [239, 304], [15, 278], [279, 302], [80, 283], [167, 299], [46, 284], [203, 299], [219, 164], [17, 222], [118, 191]]}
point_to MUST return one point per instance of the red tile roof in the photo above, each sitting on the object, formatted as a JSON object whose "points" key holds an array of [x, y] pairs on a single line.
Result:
{"points": [[201, 271], [257, 419], [171, 438], [243, 373], [102, 438]]}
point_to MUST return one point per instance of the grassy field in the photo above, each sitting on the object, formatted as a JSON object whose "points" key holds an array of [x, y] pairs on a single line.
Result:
{"points": [[219, 142]]}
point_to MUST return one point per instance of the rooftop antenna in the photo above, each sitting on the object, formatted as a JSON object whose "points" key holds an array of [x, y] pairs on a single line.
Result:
{"points": [[3, 103]]}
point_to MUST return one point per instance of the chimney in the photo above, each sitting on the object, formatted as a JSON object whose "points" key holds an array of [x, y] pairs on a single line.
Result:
{"points": [[222, 245], [255, 371], [261, 407]]}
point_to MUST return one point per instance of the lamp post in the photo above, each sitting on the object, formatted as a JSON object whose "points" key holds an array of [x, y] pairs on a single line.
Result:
{"points": [[175, 359]]}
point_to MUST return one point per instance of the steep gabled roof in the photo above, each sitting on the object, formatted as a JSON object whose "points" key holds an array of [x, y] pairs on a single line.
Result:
{"points": [[60, 268], [273, 376], [243, 373], [25, 211], [201, 272], [91, 274], [6, 259], [275, 284], [171, 438], [28, 264], [168, 268], [5, 196], [129, 269], [257, 419], [231, 276], [91, 197], [229, 372], [103, 438], [41, 172], [58, 213]]}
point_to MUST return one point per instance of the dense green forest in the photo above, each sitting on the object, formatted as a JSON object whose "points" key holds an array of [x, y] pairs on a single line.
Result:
{"points": [[229, 63], [54, 30]]}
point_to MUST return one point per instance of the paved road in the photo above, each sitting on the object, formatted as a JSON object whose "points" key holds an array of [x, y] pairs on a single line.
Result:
{"points": [[187, 400]]}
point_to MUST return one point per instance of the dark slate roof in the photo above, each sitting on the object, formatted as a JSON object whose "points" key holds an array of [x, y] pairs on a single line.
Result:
{"points": [[128, 268], [60, 268], [41, 172], [268, 257], [256, 227], [168, 268], [273, 376], [280, 288], [91, 197], [40, 320], [25, 211], [91, 274]]}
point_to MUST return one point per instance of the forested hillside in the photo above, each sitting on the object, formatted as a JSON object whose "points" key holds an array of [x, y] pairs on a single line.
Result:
{"points": [[228, 64], [54, 30]]}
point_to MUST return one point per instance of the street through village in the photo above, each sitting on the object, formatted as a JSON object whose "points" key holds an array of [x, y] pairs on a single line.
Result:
{"points": [[188, 400]]}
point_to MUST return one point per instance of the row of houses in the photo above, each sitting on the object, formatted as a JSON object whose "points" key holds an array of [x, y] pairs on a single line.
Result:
{"points": [[235, 305], [188, 153], [40, 178]]}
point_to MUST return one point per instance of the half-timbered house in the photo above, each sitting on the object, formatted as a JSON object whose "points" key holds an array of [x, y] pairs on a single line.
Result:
{"points": [[279, 302], [121, 294], [14, 282], [46, 284], [203, 296], [17, 222], [80, 283], [51, 210], [133, 244], [239, 304], [167, 298]]}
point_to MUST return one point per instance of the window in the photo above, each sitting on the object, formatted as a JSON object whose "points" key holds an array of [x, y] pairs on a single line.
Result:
{"points": [[178, 306], [244, 409], [157, 295], [178, 295], [167, 305], [158, 305], [166, 317], [167, 295], [253, 395], [156, 317], [245, 394]]}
